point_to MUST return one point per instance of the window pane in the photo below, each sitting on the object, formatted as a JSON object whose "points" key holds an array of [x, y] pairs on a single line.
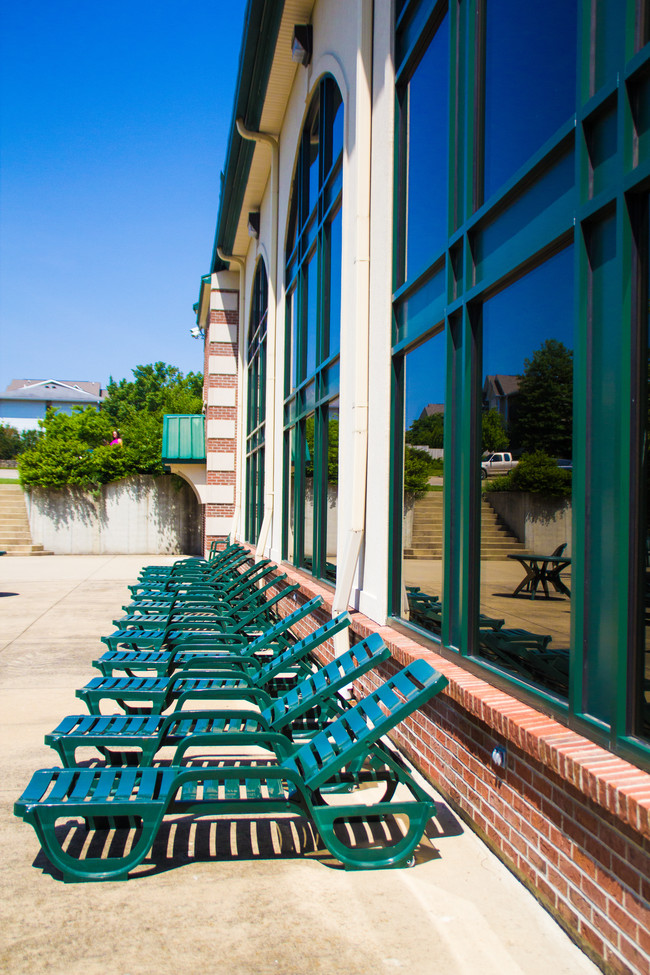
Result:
{"points": [[525, 560], [309, 334], [312, 162], [530, 80], [422, 532], [337, 123], [308, 502], [335, 241], [426, 228], [292, 339], [313, 328], [292, 437], [330, 517], [256, 405]]}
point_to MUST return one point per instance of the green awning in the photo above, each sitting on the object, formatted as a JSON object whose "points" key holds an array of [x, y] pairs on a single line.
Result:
{"points": [[183, 439]]}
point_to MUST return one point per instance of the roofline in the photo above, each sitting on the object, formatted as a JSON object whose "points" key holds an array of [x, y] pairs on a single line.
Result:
{"points": [[261, 26]]}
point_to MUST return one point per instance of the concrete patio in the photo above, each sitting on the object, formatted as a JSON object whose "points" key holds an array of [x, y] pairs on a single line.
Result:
{"points": [[225, 898]]}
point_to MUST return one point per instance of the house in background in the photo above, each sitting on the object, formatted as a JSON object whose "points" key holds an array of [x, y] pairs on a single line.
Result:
{"points": [[25, 401], [500, 394], [431, 409]]}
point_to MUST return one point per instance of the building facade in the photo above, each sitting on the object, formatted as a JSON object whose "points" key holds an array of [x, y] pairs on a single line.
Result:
{"points": [[419, 197]]}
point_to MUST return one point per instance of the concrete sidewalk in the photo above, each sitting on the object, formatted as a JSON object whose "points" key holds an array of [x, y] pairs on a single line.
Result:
{"points": [[196, 905]]}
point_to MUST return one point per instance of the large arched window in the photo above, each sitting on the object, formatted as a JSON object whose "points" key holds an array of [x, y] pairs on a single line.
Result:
{"points": [[313, 319], [256, 413]]}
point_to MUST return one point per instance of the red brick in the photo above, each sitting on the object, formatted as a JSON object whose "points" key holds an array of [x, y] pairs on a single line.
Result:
{"points": [[568, 915], [558, 880], [639, 960], [625, 874], [592, 938], [580, 903]]}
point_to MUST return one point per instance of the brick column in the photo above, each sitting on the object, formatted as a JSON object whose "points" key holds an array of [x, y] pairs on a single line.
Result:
{"points": [[220, 394]]}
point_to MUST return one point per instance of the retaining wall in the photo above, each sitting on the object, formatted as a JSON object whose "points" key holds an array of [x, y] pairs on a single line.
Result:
{"points": [[540, 523], [138, 515]]}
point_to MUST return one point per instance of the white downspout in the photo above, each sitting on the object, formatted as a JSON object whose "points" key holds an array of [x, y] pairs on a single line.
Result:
{"points": [[361, 319], [241, 263], [269, 459]]}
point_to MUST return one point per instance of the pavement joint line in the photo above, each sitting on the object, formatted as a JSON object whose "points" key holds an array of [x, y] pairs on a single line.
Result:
{"points": [[59, 600]]}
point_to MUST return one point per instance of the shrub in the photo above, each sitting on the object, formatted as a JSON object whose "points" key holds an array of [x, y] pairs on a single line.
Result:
{"points": [[536, 473], [419, 466]]}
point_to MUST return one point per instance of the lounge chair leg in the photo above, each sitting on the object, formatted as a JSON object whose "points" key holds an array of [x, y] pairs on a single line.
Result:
{"points": [[93, 868]]}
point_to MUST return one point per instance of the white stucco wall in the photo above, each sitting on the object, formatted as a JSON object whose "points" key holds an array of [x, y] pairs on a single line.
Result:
{"points": [[144, 514], [368, 156]]}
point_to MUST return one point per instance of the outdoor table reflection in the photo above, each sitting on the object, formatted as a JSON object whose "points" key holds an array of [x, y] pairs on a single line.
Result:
{"points": [[540, 571]]}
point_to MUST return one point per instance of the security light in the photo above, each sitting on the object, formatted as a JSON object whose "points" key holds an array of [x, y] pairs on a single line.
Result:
{"points": [[254, 224], [196, 332], [302, 44]]}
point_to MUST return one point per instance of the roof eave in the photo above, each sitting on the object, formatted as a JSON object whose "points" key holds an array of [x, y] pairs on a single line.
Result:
{"points": [[261, 25]]}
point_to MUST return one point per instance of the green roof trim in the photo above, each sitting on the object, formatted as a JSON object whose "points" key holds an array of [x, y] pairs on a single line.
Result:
{"points": [[261, 25], [183, 439]]}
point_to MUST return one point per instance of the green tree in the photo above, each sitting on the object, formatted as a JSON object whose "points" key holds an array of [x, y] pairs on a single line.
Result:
{"points": [[418, 468], [76, 448], [544, 411], [136, 408], [493, 432], [9, 442], [13, 443], [332, 448], [426, 431], [72, 450]]}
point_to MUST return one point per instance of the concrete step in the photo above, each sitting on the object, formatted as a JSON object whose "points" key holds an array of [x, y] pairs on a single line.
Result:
{"points": [[26, 550], [15, 535]]}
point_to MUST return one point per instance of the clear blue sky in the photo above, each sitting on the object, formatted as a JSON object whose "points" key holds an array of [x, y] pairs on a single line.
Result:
{"points": [[114, 124]]}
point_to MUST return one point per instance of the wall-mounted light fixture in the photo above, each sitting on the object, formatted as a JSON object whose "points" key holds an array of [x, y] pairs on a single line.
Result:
{"points": [[197, 332], [254, 224], [302, 44]]}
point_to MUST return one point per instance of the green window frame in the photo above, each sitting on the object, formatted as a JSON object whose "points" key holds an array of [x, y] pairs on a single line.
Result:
{"points": [[256, 406], [585, 186], [313, 285]]}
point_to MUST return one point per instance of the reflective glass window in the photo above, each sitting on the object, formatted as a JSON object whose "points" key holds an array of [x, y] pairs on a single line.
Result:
{"points": [[530, 80], [526, 476], [313, 315], [426, 108], [256, 407], [422, 501]]}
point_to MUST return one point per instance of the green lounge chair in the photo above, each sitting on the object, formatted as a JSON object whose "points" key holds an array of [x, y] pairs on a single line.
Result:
{"points": [[200, 682], [197, 629], [529, 655], [314, 700], [145, 795], [179, 610], [235, 646], [199, 592], [426, 611], [236, 555]]}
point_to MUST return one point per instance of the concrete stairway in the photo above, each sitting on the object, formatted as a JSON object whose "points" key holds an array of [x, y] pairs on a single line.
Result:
{"points": [[427, 528], [496, 540], [15, 536]]}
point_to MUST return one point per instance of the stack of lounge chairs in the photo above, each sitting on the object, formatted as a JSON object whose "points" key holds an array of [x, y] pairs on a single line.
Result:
{"points": [[206, 632]]}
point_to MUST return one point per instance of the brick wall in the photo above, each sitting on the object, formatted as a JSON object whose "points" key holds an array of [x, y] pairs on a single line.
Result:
{"points": [[570, 819], [220, 395]]}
